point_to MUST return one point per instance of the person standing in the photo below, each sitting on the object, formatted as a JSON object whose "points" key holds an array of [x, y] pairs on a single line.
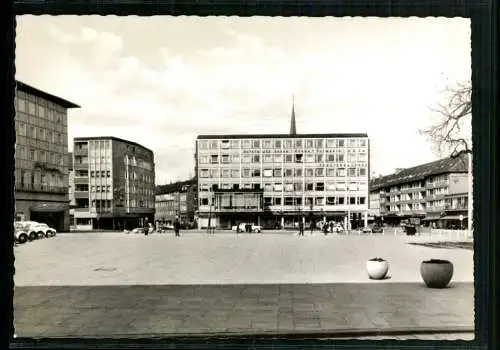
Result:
{"points": [[177, 226], [301, 228], [312, 226], [146, 227]]}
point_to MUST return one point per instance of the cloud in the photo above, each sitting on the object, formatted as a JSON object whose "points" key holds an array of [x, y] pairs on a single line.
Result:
{"points": [[228, 75]]}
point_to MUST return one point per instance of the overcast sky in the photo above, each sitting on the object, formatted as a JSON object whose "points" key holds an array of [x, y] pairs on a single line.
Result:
{"points": [[160, 81]]}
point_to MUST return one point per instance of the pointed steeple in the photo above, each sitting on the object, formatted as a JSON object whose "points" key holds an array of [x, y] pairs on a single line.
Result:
{"points": [[293, 128]]}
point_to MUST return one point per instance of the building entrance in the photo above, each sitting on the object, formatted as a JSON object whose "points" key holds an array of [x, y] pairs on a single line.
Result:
{"points": [[53, 219]]}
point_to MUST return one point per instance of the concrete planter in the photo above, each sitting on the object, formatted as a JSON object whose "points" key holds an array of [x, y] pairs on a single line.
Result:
{"points": [[377, 268], [436, 273]]}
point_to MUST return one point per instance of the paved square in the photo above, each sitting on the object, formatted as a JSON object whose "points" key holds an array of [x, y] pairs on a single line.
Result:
{"points": [[118, 284]]}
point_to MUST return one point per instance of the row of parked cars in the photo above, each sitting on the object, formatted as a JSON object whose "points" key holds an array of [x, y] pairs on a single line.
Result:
{"points": [[25, 231]]}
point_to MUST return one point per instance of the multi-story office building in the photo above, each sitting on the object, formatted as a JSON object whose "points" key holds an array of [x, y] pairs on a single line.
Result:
{"points": [[113, 183], [274, 180], [41, 167], [178, 199], [435, 192]]}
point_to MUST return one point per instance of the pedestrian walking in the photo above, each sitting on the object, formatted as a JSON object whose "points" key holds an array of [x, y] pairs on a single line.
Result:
{"points": [[301, 228], [177, 226], [146, 227], [312, 226]]}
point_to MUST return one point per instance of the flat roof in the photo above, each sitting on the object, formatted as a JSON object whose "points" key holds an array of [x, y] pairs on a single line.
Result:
{"points": [[52, 98], [89, 138], [277, 136]]}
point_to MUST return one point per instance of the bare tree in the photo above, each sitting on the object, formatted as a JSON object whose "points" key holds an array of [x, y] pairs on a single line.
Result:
{"points": [[448, 133]]}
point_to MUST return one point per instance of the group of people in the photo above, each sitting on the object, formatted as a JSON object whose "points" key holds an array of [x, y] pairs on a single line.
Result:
{"points": [[325, 228], [148, 227]]}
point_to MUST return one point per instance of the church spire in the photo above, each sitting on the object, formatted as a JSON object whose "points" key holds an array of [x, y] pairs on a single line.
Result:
{"points": [[293, 128]]}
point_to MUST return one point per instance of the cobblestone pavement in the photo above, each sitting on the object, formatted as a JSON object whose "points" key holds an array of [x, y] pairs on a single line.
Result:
{"points": [[118, 311], [198, 258], [117, 284]]}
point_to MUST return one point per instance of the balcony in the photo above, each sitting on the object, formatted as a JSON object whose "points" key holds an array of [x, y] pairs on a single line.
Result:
{"points": [[460, 207], [40, 188]]}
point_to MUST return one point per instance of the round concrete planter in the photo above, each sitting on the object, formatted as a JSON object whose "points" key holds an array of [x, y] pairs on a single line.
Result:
{"points": [[377, 268], [436, 273]]}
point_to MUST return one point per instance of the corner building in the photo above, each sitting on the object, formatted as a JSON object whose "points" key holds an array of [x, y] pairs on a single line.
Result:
{"points": [[41, 162], [275, 180], [114, 183]]}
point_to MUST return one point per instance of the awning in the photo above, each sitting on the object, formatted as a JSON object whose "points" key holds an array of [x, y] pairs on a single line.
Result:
{"points": [[431, 218], [49, 207], [454, 217]]}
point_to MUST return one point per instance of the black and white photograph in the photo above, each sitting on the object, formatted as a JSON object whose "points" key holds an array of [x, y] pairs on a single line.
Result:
{"points": [[287, 176]]}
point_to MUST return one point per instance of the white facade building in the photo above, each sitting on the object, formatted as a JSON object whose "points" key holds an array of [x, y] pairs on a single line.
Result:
{"points": [[276, 180]]}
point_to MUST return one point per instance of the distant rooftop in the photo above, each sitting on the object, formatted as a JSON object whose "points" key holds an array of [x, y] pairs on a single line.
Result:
{"points": [[420, 172], [88, 138], [278, 136], [174, 187], [52, 98]]}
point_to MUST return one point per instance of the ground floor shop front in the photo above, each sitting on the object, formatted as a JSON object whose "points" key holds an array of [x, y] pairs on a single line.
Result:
{"points": [[289, 220], [88, 222], [52, 211]]}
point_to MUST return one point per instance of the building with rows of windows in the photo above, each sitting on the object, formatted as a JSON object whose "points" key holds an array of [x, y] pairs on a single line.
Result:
{"points": [[114, 183], [436, 193], [41, 163], [274, 180], [178, 199]]}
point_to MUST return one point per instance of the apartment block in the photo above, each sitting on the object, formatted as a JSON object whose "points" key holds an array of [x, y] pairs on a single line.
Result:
{"points": [[113, 183], [41, 166], [179, 199], [435, 193], [274, 180]]}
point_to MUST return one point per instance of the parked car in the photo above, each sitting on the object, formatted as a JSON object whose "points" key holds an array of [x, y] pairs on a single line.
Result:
{"points": [[377, 229], [244, 226], [20, 234], [36, 230], [138, 230], [365, 230]]}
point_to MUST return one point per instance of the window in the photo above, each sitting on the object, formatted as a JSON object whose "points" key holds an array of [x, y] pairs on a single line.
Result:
{"points": [[341, 172], [288, 200], [268, 158], [298, 158], [309, 186], [268, 201], [289, 144], [256, 172], [108, 173], [42, 156], [226, 173], [277, 172], [203, 144], [351, 172], [309, 172], [32, 154], [235, 158], [331, 143], [235, 172], [298, 172], [256, 158], [267, 172], [298, 186], [103, 173], [247, 158], [277, 144], [319, 200], [330, 200], [256, 143], [22, 128], [330, 172], [320, 172], [288, 187], [319, 144], [341, 143], [204, 173], [278, 158], [224, 144], [340, 200], [245, 172], [309, 144], [352, 200], [246, 144], [340, 158], [362, 157], [309, 158], [362, 143], [214, 173], [21, 105], [278, 187], [330, 186], [288, 158], [213, 144], [277, 201], [362, 171], [214, 159], [320, 186], [204, 201], [352, 143], [298, 143], [267, 144], [288, 172], [268, 187], [235, 144], [319, 158], [225, 159], [31, 108]]}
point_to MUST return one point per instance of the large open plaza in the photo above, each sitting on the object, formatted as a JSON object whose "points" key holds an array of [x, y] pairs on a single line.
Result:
{"points": [[119, 284]]}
